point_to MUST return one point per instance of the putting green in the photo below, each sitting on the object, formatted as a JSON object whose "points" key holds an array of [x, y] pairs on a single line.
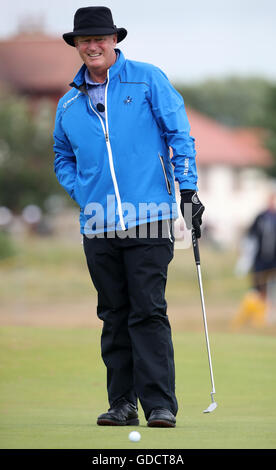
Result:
{"points": [[53, 388]]}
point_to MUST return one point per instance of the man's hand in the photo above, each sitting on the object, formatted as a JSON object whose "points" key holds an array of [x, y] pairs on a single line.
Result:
{"points": [[190, 197]]}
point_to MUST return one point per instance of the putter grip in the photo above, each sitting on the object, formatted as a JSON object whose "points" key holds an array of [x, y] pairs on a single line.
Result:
{"points": [[195, 247]]}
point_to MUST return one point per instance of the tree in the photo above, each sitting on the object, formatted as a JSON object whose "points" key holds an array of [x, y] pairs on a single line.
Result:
{"points": [[26, 153], [232, 101], [271, 126]]}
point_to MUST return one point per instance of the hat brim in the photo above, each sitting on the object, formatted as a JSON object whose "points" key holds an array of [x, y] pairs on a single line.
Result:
{"points": [[69, 37]]}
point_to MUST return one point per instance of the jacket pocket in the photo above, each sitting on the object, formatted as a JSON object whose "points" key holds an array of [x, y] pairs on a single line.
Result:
{"points": [[168, 184], [76, 193]]}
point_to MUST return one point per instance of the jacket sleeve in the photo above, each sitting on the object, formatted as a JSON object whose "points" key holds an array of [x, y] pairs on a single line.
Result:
{"points": [[169, 111], [65, 160]]}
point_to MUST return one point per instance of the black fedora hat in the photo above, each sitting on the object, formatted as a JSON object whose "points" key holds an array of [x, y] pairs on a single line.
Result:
{"points": [[94, 21]]}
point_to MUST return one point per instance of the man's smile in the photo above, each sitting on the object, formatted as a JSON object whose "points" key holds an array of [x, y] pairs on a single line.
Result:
{"points": [[95, 55]]}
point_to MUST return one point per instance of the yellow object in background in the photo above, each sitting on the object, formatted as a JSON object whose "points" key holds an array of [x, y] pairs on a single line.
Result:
{"points": [[253, 309]]}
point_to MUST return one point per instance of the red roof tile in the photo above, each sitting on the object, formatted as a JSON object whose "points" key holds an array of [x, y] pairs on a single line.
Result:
{"points": [[219, 144], [36, 63]]}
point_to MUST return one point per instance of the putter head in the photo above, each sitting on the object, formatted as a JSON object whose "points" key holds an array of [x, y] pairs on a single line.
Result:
{"points": [[211, 408]]}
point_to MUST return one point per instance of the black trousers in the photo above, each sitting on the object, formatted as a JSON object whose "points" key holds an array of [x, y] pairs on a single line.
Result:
{"points": [[130, 278]]}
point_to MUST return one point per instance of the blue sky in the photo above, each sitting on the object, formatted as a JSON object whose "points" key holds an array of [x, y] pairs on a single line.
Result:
{"points": [[191, 41]]}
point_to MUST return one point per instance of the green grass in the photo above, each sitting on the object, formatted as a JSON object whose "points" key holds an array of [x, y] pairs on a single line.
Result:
{"points": [[50, 269], [53, 388], [52, 385], [45, 270]]}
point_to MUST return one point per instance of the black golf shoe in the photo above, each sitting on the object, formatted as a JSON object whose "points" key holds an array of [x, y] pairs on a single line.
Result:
{"points": [[121, 413], [161, 418]]}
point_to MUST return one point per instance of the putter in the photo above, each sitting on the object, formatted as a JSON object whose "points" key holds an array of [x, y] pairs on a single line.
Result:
{"points": [[213, 405]]}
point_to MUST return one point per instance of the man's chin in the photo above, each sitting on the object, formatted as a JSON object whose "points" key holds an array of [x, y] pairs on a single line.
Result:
{"points": [[97, 62]]}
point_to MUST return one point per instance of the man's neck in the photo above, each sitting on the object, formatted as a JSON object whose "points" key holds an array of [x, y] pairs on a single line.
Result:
{"points": [[98, 77]]}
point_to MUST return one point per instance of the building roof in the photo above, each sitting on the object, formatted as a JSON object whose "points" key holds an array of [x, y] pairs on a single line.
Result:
{"points": [[219, 144], [35, 62]]}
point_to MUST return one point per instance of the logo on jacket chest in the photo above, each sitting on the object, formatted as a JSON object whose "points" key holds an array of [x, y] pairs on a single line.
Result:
{"points": [[128, 100]]}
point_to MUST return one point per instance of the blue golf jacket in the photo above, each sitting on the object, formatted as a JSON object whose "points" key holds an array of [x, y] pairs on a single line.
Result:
{"points": [[118, 168]]}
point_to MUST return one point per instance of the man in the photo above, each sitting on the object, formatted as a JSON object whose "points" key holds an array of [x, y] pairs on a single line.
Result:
{"points": [[263, 232], [258, 258], [112, 137]]}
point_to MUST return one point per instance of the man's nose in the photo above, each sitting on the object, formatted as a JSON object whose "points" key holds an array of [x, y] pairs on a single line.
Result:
{"points": [[92, 44]]}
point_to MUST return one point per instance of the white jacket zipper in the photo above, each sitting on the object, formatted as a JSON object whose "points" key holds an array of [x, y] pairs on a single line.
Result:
{"points": [[110, 156]]}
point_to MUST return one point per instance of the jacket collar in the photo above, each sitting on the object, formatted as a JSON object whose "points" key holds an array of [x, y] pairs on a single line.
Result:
{"points": [[79, 81]]}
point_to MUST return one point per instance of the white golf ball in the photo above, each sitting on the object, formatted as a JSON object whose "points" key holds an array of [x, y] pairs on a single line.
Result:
{"points": [[134, 436]]}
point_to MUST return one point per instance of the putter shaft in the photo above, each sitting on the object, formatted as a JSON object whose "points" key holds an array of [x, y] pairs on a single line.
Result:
{"points": [[206, 329], [197, 261]]}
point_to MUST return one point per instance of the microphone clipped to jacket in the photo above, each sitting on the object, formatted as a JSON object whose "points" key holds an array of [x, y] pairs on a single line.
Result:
{"points": [[100, 107]]}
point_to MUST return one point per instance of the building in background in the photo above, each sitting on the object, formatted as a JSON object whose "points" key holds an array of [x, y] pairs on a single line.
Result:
{"points": [[232, 182], [37, 66]]}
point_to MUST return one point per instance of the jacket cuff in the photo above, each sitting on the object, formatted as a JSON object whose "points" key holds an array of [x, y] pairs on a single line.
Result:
{"points": [[188, 186]]}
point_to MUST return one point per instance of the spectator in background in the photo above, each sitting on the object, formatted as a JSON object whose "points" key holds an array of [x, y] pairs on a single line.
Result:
{"points": [[259, 258]]}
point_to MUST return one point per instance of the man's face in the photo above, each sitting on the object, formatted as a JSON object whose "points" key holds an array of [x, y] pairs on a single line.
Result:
{"points": [[97, 52]]}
